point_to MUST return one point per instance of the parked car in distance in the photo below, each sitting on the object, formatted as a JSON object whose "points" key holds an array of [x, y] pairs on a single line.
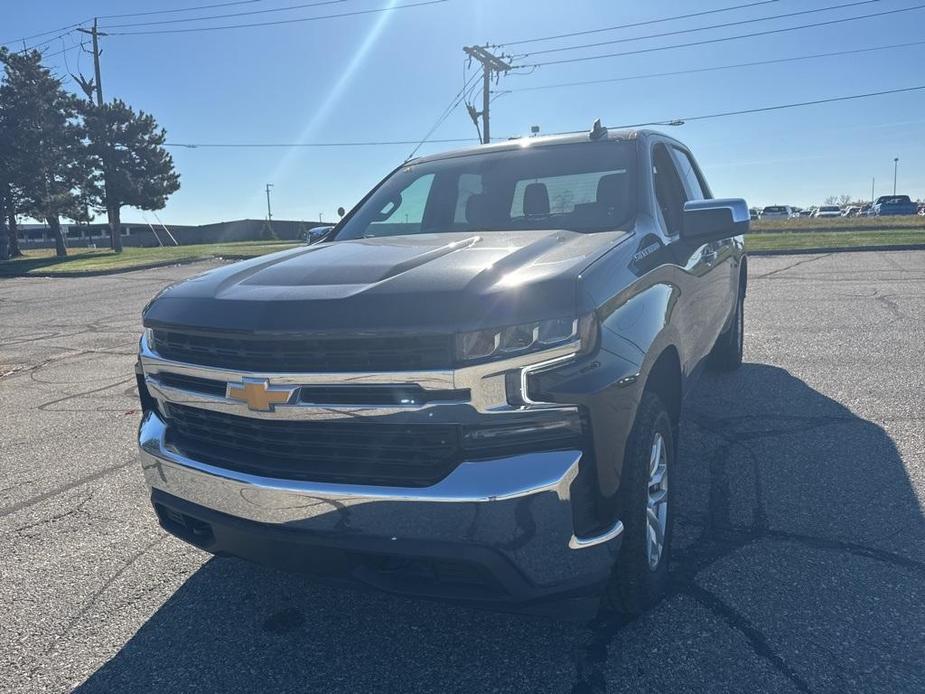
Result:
{"points": [[852, 211], [754, 214], [470, 388], [827, 211], [922, 210], [889, 205], [866, 210], [777, 212], [808, 212]]}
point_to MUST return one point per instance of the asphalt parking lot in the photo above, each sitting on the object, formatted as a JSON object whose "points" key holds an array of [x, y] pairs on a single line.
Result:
{"points": [[799, 563]]}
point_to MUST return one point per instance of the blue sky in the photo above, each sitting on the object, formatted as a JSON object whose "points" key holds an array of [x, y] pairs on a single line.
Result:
{"points": [[388, 76]]}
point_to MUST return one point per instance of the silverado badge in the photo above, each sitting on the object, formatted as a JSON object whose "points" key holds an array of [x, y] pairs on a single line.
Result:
{"points": [[259, 394]]}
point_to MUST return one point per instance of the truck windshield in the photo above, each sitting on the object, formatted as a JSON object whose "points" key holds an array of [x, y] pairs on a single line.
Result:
{"points": [[580, 187]]}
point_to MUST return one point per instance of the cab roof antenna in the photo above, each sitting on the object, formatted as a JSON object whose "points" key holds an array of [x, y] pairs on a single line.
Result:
{"points": [[598, 131]]}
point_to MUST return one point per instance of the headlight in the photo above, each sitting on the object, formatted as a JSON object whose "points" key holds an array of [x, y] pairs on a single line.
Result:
{"points": [[498, 343]]}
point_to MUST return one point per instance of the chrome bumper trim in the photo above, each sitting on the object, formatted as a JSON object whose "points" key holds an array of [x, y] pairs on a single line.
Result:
{"points": [[518, 506], [583, 543], [486, 384]]}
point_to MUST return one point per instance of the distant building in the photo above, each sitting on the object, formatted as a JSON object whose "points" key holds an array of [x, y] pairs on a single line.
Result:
{"points": [[139, 234]]}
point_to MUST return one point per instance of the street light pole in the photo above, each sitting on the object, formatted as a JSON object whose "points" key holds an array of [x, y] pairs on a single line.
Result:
{"points": [[895, 171], [269, 212]]}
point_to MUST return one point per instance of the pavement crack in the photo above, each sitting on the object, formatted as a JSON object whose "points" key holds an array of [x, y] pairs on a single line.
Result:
{"points": [[847, 547], [591, 658], [72, 622], [891, 305], [38, 498], [756, 639], [790, 266], [58, 516], [45, 405]]}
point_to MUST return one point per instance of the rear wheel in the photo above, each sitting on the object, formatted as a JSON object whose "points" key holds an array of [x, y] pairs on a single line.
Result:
{"points": [[727, 352], [641, 575]]}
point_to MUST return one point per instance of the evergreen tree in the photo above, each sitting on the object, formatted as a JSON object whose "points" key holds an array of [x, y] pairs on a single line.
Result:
{"points": [[51, 167], [127, 150]]}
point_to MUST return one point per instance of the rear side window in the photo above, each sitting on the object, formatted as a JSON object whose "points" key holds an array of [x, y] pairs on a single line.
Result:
{"points": [[669, 191], [693, 183], [567, 192], [469, 184]]}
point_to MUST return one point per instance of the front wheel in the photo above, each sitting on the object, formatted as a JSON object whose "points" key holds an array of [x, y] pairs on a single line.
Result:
{"points": [[730, 345], [641, 575]]}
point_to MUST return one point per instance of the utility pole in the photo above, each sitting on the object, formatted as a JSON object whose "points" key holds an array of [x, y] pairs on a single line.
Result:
{"points": [[873, 183], [895, 172], [112, 215], [269, 212], [490, 63], [95, 34]]}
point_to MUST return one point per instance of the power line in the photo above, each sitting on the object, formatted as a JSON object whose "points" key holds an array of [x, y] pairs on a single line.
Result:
{"points": [[693, 30], [780, 107], [289, 8], [375, 143], [181, 9], [280, 21], [46, 43], [66, 29], [714, 68], [454, 102], [635, 24], [705, 42], [45, 56], [675, 121]]}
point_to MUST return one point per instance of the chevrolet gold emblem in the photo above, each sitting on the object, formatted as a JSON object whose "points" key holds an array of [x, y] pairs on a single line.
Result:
{"points": [[259, 394]]}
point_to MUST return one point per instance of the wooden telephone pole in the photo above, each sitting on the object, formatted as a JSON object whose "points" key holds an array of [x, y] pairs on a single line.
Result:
{"points": [[115, 231], [490, 63], [95, 34]]}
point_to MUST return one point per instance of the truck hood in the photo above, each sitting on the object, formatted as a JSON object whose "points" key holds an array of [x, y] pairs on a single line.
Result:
{"points": [[430, 282]]}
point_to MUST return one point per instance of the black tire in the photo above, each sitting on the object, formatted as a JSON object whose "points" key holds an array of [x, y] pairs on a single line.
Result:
{"points": [[636, 585], [727, 352]]}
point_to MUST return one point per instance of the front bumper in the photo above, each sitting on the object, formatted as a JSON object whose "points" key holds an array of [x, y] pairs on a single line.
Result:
{"points": [[497, 530]]}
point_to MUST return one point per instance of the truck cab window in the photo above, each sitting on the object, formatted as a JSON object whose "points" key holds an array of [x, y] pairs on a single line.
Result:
{"points": [[403, 212], [668, 190], [696, 187], [468, 184]]}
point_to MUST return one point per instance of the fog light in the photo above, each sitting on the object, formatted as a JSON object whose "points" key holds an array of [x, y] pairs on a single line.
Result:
{"points": [[565, 431]]}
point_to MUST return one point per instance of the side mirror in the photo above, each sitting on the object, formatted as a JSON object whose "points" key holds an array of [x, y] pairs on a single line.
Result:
{"points": [[317, 234], [713, 220]]}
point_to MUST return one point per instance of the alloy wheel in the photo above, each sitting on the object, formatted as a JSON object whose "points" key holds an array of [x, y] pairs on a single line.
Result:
{"points": [[657, 501]]}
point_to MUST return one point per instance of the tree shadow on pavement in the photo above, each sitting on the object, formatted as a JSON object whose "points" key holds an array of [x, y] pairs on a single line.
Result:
{"points": [[788, 576]]}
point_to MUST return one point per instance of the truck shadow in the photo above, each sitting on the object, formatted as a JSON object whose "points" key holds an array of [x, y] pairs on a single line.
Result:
{"points": [[770, 468]]}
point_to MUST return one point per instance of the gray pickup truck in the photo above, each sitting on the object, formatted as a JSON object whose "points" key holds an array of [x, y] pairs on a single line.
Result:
{"points": [[893, 205], [470, 388]]}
